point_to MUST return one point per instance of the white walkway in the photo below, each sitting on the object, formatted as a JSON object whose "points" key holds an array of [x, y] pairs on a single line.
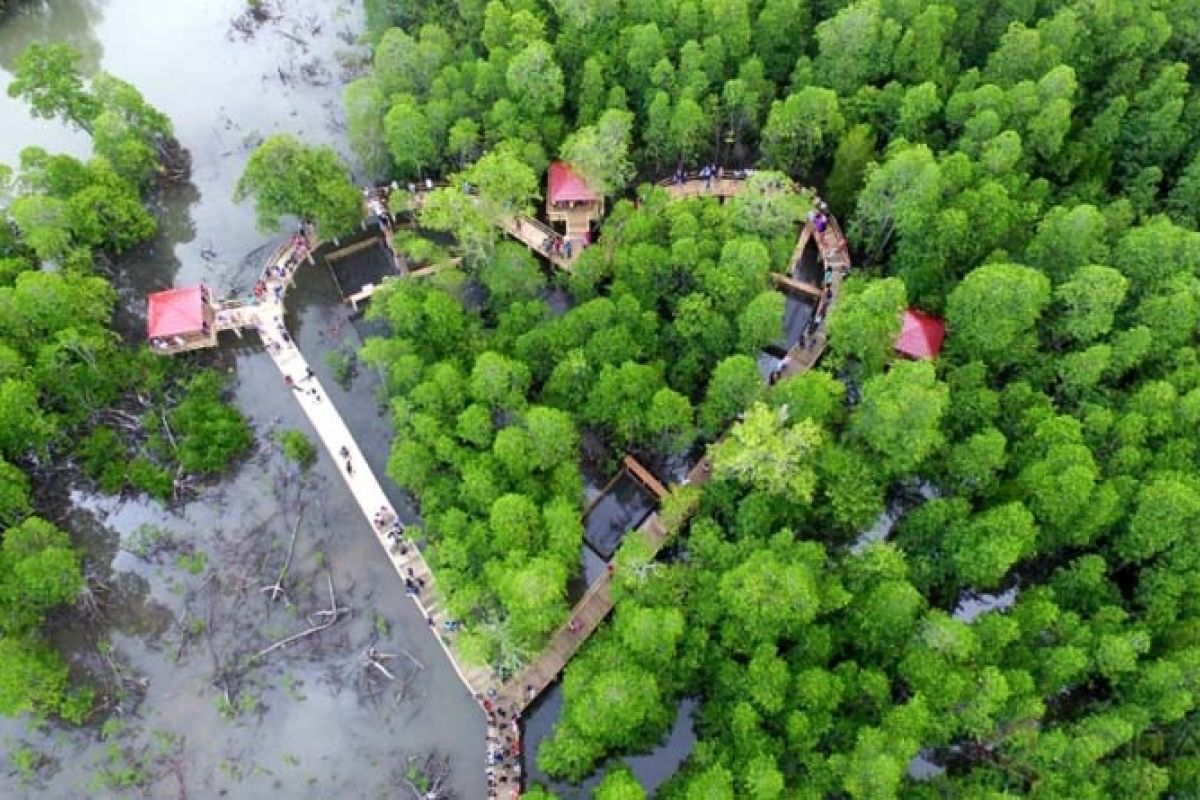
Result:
{"points": [[332, 431]]}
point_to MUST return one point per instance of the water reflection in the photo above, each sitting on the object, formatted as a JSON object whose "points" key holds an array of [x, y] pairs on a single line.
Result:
{"points": [[70, 21], [651, 769], [153, 265]]}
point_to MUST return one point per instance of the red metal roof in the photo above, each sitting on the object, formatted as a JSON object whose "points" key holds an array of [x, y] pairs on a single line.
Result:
{"points": [[175, 312], [921, 335], [566, 185]]}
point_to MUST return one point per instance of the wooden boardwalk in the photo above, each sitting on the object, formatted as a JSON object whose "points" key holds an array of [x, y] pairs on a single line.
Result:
{"points": [[645, 476], [835, 257], [723, 187], [267, 317], [529, 231], [502, 701], [586, 617]]}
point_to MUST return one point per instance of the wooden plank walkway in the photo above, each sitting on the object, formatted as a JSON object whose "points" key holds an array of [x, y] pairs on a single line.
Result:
{"points": [[645, 476], [835, 256], [723, 187], [802, 287], [267, 318], [586, 617], [502, 701], [529, 231]]}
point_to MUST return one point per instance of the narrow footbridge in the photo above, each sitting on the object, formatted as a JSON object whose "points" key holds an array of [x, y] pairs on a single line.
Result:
{"points": [[539, 237]]}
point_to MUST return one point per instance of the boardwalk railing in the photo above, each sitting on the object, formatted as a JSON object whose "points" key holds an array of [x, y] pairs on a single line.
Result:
{"points": [[529, 231]]}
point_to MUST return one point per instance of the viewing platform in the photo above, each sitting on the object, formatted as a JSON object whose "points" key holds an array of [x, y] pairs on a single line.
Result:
{"points": [[189, 318]]}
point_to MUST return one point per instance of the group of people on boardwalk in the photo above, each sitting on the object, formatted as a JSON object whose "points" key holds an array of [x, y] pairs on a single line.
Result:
{"points": [[710, 172], [503, 747], [376, 200], [276, 275], [312, 391], [819, 215], [556, 246], [388, 523]]}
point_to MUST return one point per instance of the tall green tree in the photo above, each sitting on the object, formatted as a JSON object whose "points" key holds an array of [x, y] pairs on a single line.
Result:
{"points": [[900, 416], [767, 453], [286, 178], [366, 108], [866, 321], [47, 77], [801, 128], [601, 151], [992, 315]]}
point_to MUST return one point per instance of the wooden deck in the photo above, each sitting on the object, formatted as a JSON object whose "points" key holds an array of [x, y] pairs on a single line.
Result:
{"points": [[723, 187]]}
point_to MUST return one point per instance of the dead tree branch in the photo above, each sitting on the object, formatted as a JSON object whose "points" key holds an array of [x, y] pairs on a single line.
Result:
{"points": [[276, 588], [332, 615]]}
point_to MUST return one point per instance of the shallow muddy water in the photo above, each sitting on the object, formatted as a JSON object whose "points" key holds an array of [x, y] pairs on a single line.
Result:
{"points": [[179, 624]]}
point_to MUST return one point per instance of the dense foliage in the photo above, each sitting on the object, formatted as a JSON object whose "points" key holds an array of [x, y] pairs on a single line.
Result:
{"points": [[70, 393], [1027, 170], [287, 178], [490, 403]]}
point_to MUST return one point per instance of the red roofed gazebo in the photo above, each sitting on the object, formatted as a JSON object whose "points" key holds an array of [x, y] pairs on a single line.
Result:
{"points": [[921, 335], [570, 200], [180, 319], [565, 185]]}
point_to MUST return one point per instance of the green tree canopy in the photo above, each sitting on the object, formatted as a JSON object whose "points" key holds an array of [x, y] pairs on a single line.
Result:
{"points": [[286, 178], [900, 416], [866, 321]]}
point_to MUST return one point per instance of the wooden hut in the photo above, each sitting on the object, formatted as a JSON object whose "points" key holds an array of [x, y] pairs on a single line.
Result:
{"points": [[181, 319], [571, 201]]}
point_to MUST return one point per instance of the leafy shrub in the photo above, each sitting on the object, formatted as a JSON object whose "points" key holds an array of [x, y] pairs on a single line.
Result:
{"points": [[343, 364], [152, 479], [297, 448], [209, 432]]}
